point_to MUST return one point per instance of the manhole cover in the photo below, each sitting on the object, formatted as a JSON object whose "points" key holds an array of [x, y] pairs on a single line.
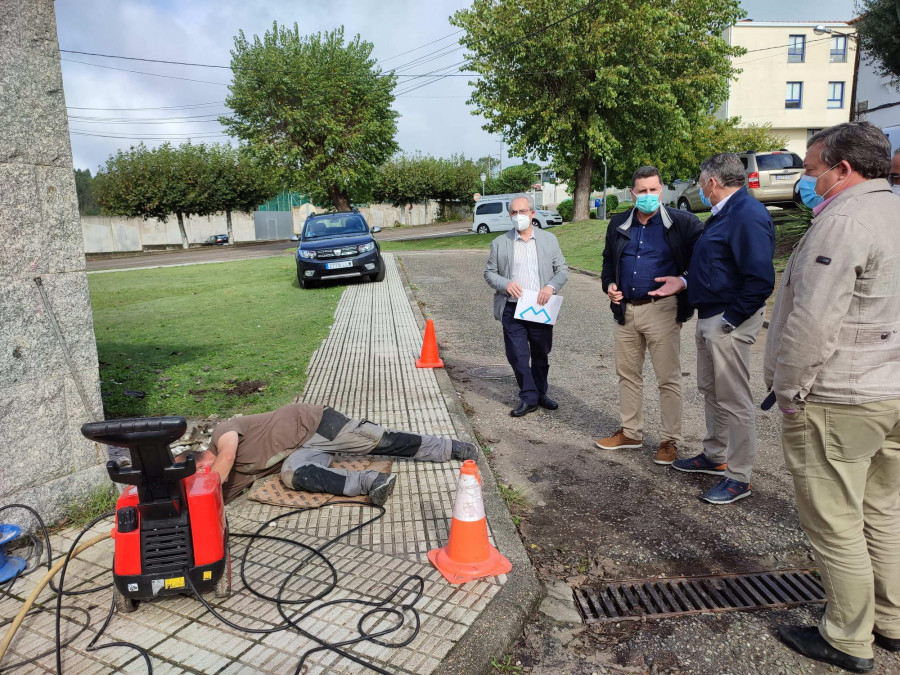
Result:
{"points": [[491, 372], [683, 596]]}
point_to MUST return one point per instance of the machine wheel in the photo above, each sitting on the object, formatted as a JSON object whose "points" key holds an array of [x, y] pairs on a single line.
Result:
{"points": [[536, 223], [684, 205], [483, 229], [124, 605], [223, 585]]}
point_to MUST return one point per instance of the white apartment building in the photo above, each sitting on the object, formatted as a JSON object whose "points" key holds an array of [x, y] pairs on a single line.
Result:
{"points": [[878, 101], [792, 78]]}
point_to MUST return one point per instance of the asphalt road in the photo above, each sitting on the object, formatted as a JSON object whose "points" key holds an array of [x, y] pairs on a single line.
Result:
{"points": [[596, 515], [213, 254]]}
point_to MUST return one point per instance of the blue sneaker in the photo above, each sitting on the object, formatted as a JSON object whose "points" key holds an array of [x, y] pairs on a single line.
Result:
{"points": [[698, 464], [727, 491]]}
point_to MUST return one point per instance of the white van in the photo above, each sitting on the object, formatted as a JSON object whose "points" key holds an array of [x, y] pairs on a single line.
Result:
{"points": [[492, 215]]}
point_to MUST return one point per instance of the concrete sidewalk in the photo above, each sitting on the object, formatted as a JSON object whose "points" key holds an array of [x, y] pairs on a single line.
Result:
{"points": [[365, 368]]}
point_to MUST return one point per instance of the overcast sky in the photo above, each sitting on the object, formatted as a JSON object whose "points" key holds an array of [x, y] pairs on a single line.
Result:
{"points": [[433, 119]]}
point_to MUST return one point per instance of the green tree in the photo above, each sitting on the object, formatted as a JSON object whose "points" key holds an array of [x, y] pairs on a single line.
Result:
{"points": [[580, 80], [406, 179], [236, 182], [315, 108], [488, 165], [683, 160], [84, 188], [879, 35], [144, 183], [516, 178]]}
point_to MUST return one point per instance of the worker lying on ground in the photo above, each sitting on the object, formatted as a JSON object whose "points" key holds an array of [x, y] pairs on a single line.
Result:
{"points": [[299, 440]]}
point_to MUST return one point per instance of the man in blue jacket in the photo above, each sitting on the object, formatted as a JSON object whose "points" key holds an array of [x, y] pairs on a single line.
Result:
{"points": [[730, 277]]}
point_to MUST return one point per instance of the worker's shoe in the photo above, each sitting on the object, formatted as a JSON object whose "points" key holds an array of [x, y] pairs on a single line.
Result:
{"points": [[382, 487], [462, 451], [808, 641], [699, 464], [667, 453], [619, 441], [883, 641], [523, 409]]}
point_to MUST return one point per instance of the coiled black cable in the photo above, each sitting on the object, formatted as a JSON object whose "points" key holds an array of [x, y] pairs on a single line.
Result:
{"points": [[411, 594]]}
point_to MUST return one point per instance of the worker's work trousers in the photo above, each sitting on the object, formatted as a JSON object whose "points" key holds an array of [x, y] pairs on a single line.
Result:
{"points": [[308, 467], [845, 460], [723, 377], [650, 327]]}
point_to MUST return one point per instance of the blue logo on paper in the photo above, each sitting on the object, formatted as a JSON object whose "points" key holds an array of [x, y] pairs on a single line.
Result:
{"points": [[530, 310]]}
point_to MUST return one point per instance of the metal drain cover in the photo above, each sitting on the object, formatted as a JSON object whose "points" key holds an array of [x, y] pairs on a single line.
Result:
{"points": [[491, 372], [683, 596]]}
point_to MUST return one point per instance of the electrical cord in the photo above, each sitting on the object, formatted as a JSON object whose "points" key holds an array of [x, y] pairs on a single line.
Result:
{"points": [[396, 606]]}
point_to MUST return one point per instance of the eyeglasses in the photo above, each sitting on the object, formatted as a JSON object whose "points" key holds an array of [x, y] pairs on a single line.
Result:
{"points": [[894, 178], [520, 212]]}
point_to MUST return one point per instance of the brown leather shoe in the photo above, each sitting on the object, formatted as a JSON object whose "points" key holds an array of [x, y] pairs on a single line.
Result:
{"points": [[619, 441], [667, 453]]}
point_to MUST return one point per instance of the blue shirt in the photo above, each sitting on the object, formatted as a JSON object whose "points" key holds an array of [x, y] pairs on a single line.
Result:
{"points": [[646, 256]]}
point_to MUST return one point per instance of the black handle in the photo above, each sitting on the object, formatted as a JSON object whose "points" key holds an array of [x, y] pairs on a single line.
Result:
{"points": [[132, 432]]}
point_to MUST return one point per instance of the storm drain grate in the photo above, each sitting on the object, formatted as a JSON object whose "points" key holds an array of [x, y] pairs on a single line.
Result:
{"points": [[683, 596]]}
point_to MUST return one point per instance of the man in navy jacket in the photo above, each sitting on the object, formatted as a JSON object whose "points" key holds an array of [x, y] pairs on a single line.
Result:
{"points": [[730, 277]]}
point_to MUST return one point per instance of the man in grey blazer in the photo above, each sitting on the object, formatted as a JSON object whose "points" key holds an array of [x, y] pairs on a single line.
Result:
{"points": [[526, 258]]}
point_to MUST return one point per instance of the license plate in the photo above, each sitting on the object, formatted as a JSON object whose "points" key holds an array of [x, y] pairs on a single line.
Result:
{"points": [[784, 177], [338, 265]]}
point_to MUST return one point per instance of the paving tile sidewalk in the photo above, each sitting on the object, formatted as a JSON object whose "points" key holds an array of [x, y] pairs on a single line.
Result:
{"points": [[365, 368]]}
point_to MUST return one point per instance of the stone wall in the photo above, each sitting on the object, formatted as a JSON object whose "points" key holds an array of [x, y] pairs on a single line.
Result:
{"points": [[104, 234], [44, 460]]}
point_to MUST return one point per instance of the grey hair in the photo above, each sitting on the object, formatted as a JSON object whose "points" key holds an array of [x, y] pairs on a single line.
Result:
{"points": [[861, 144], [523, 196], [645, 172], [725, 167]]}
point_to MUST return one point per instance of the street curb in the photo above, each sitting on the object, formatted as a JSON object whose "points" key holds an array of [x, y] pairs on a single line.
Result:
{"points": [[501, 623]]}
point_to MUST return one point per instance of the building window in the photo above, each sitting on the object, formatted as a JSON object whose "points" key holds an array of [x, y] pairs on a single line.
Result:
{"points": [[793, 96], [839, 49], [835, 94], [796, 48]]}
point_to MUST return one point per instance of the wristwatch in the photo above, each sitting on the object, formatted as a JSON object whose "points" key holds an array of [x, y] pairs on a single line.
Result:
{"points": [[726, 326]]}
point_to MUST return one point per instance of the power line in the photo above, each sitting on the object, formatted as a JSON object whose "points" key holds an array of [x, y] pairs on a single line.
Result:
{"points": [[415, 49], [164, 107], [142, 72]]}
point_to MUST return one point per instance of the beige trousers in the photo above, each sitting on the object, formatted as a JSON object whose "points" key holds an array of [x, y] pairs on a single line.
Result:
{"points": [[723, 377], [651, 327], [845, 460]]}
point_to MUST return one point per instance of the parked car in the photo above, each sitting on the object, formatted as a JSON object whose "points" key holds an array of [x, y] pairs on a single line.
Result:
{"points": [[338, 246], [672, 192], [492, 215], [216, 240], [771, 177]]}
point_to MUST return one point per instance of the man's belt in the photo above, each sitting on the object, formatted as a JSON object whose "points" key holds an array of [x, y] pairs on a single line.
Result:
{"points": [[642, 301]]}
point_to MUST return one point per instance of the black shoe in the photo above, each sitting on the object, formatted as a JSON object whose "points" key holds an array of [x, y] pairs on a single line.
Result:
{"points": [[382, 488], [890, 644], [548, 403], [462, 451], [523, 409], [808, 641]]}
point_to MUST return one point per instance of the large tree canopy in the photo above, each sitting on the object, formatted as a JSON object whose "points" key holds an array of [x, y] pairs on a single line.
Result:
{"points": [[316, 108], [580, 80], [879, 35]]}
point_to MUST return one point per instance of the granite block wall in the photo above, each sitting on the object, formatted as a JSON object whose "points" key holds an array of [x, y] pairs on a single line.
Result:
{"points": [[44, 460]]}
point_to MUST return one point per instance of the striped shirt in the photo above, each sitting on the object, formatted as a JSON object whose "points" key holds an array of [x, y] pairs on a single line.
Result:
{"points": [[525, 268]]}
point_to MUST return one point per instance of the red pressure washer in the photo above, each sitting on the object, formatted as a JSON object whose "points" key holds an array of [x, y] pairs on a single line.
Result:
{"points": [[170, 520]]}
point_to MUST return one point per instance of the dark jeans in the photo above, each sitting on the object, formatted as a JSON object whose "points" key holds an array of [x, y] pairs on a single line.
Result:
{"points": [[528, 345]]}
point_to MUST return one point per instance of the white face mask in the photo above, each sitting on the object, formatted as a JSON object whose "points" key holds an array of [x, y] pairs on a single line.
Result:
{"points": [[522, 222]]}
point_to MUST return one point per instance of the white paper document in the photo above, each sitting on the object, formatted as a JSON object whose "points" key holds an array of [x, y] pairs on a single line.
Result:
{"points": [[528, 309]]}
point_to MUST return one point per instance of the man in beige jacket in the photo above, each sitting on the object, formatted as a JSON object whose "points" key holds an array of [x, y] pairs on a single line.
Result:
{"points": [[833, 363]]}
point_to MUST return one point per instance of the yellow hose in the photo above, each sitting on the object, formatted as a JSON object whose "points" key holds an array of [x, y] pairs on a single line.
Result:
{"points": [[20, 617]]}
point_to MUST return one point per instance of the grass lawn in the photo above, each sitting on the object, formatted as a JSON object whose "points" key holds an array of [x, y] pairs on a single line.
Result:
{"points": [[201, 339]]}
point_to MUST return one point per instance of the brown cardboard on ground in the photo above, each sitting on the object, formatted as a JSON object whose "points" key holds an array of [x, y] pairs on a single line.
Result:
{"points": [[270, 490]]}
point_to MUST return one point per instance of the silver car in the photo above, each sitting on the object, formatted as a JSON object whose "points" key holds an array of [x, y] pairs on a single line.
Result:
{"points": [[492, 215], [771, 177]]}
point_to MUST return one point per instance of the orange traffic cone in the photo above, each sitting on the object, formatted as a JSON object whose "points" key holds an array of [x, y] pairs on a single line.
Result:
{"points": [[468, 555], [430, 357]]}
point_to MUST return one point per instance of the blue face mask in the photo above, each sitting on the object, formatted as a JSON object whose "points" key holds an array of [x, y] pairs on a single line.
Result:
{"points": [[648, 203], [806, 186], [705, 199]]}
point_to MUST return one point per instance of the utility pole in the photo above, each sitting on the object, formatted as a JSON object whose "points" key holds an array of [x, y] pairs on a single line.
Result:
{"points": [[604, 189], [500, 156]]}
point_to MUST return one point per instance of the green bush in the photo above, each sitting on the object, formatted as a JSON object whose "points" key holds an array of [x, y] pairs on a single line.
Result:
{"points": [[566, 208], [612, 203]]}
